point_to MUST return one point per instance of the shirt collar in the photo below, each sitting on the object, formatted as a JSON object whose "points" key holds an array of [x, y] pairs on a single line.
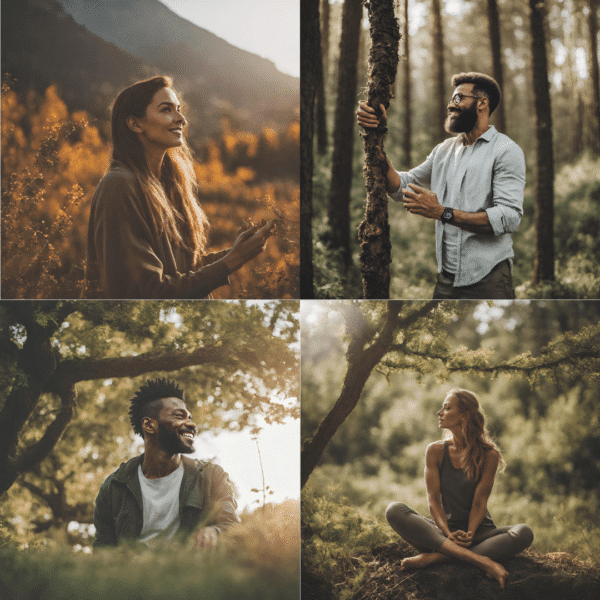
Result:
{"points": [[486, 137]]}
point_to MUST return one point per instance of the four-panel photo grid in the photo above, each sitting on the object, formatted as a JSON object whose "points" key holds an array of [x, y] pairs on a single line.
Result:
{"points": [[300, 299]]}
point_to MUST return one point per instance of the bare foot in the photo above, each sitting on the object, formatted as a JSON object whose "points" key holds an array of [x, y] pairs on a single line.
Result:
{"points": [[497, 572], [421, 561]]}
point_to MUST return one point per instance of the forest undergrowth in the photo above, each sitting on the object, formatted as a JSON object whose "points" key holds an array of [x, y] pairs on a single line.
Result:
{"points": [[52, 161], [414, 268], [348, 552]]}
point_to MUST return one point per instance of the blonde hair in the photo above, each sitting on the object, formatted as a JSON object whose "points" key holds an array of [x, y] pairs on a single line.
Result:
{"points": [[173, 207], [475, 441]]}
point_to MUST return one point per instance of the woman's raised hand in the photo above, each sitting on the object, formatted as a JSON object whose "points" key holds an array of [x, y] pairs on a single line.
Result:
{"points": [[251, 241], [366, 116]]}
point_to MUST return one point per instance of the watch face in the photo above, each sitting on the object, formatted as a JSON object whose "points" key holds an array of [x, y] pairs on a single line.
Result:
{"points": [[447, 215]]}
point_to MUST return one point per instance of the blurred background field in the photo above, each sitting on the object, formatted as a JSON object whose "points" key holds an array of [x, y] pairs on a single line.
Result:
{"points": [[260, 558]]}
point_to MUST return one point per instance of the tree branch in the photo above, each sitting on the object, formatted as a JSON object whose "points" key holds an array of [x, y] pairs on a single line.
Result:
{"points": [[361, 362], [36, 453], [132, 366]]}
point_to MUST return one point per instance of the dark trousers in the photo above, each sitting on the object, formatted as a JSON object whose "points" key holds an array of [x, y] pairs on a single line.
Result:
{"points": [[496, 285]]}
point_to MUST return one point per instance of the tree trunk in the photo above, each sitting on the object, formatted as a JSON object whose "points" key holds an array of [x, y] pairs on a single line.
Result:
{"points": [[494, 24], [543, 269], [309, 56], [407, 95], [593, 29], [374, 231], [366, 349], [440, 77], [322, 78], [338, 207]]}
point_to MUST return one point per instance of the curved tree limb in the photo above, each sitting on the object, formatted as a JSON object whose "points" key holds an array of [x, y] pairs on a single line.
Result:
{"points": [[362, 359]]}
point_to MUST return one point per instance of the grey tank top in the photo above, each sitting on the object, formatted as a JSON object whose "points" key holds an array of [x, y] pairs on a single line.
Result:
{"points": [[457, 495]]}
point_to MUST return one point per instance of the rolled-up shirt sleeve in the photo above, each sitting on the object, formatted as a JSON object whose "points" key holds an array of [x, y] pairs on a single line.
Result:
{"points": [[508, 187]]}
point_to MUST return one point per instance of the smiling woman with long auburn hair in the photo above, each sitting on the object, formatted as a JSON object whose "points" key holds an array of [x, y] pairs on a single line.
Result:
{"points": [[459, 476], [147, 232]]}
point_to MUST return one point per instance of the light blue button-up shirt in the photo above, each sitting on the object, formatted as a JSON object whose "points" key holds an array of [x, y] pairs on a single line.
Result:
{"points": [[491, 180]]}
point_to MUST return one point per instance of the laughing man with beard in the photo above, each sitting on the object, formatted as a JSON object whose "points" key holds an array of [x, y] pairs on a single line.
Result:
{"points": [[472, 185], [162, 495]]}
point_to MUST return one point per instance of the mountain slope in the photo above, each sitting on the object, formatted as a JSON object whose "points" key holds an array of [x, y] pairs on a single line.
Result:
{"points": [[203, 65], [41, 44]]}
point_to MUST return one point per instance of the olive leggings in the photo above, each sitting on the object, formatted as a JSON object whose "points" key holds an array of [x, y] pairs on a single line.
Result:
{"points": [[422, 533]]}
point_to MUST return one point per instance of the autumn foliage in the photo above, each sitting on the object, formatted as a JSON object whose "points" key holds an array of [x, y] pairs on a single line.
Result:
{"points": [[52, 161]]}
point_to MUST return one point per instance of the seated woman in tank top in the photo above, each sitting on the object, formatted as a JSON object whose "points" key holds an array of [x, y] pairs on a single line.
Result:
{"points": [[459, 475]]}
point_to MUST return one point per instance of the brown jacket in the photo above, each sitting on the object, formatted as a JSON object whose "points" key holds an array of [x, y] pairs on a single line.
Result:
{"points": [[127, 259]]}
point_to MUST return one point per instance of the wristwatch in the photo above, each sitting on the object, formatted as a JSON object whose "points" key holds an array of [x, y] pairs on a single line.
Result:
{"points": [[447, 215]]}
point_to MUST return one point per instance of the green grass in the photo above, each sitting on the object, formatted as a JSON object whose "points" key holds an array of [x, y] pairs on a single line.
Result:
{"points": [[259, 559]]}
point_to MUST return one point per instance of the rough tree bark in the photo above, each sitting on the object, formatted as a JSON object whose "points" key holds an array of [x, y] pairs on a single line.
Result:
{"points": [[338, 206], [309, 56], [374, 231], [543, 268], [321, 120], [437, 33], [593, 30], [366, 349], [494, 25], [407, 137]]}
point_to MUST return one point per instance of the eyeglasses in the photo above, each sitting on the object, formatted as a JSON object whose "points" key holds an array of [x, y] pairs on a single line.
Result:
{"points": [[458, 97]]}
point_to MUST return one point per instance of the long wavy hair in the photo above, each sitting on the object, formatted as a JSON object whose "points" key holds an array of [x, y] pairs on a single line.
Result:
{"points": [[475, 441], [173, 206]]}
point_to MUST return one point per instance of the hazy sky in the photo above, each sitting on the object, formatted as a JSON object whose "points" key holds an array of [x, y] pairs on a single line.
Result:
{"points": [[269, 28]]}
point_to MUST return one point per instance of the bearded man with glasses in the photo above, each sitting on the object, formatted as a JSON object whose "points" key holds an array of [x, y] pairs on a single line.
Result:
{"points": [[472, 185]]}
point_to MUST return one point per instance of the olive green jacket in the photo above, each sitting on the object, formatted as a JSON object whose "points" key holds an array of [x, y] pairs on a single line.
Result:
{"points": [[206, 499]]}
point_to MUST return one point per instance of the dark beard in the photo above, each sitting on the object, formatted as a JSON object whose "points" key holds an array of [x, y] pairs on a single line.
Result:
{"points": [[464, 122], [171, 442]]}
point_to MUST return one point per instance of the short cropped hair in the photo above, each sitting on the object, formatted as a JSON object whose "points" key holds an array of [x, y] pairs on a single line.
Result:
{"points": [[481, 83], [144, 404]]}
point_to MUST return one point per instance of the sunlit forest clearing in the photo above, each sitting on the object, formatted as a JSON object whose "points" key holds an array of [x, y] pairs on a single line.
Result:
{"points": [[53, 160], [534, 367], [238, 364], [438, 40]]}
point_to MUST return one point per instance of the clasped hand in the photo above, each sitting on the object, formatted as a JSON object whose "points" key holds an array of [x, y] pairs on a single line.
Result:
{"points": [[462, 538], [206, 537]]}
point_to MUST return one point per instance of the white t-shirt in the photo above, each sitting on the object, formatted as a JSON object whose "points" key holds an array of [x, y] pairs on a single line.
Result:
{"points": [[160, 508]]}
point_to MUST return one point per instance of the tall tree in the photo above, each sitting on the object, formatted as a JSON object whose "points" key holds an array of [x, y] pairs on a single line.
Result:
{"points": [[407, 95], [49, 349], [374, 230], [310, 56], [494, 26], [428, 339], [595, 79], [543, 268], [437, 33], [373, 331], [338, 206], [322, 67]]}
